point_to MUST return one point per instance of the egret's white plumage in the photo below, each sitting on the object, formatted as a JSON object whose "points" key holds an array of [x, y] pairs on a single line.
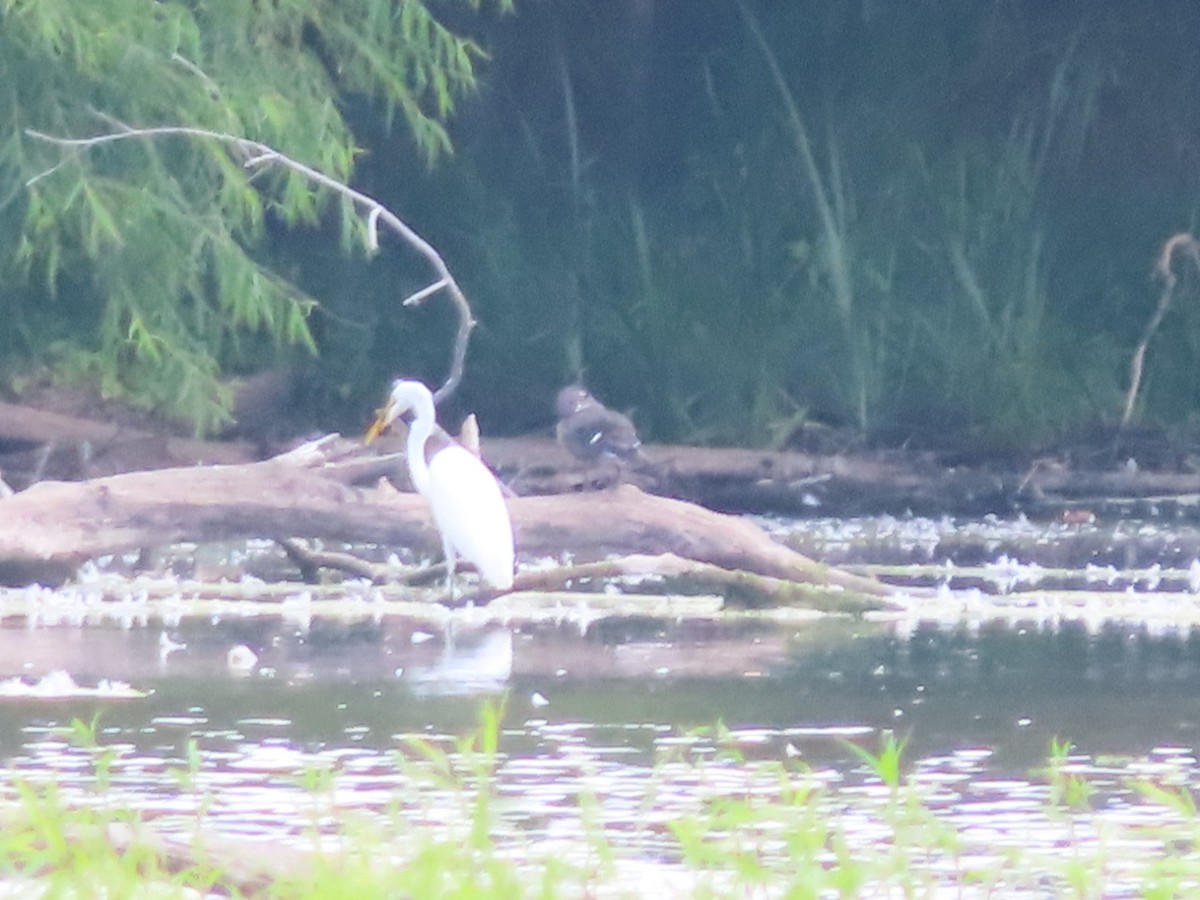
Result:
{"points": [[468, 507]]}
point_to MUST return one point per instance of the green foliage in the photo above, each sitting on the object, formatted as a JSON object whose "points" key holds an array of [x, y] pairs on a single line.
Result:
{"points": [[146, 249], [897, 218], [1067, 789], [885, 764], [711, 825]]}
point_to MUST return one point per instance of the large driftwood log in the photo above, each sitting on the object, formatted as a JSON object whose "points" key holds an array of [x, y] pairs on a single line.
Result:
{"points": [[47, 531]]}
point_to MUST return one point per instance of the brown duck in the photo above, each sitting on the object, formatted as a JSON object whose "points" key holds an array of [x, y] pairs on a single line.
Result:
{"points": [[593, 433]]}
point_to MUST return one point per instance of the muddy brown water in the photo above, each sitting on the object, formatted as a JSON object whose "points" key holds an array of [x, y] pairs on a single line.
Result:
{"points": [[979, 699]]}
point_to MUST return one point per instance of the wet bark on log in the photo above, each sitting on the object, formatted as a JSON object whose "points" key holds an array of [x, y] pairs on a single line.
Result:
{"points": [[50, 529]]}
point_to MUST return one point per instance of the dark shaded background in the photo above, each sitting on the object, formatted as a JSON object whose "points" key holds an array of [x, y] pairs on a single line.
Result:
{"points": [[629, 200]]}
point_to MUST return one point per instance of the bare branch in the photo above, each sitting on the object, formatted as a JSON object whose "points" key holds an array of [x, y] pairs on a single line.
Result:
{"points": [[254, 154], [424, 292], [740, 587], [46, 174], [373, 230], [1188, 244]]}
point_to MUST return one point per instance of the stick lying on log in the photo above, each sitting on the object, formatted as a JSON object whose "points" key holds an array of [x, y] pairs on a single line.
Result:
{"points": [[662, 573], [46, 532], [740, 588]]}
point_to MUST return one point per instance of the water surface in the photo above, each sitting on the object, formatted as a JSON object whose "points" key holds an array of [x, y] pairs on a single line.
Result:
{"points": [[600, 707]]}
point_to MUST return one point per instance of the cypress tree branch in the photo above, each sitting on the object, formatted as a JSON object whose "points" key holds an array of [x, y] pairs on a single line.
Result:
{"points": [[255, 155]]}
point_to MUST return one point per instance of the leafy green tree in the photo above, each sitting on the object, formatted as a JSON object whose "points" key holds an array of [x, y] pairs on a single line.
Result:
{"points": [[135, 264]]}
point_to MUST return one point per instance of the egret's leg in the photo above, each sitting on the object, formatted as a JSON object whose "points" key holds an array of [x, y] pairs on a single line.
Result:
{"points": [[448, 550]]}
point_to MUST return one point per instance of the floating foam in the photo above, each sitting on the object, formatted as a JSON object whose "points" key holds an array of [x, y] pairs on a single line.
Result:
{"points": [[59, 684]]}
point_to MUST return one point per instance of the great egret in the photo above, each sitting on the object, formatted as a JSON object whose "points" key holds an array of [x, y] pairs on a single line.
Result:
{"points": [[463, 494], [592, 432]]}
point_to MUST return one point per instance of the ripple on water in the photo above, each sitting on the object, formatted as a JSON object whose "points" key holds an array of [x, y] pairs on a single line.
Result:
{"points": [[257, 789], [336, 732]]}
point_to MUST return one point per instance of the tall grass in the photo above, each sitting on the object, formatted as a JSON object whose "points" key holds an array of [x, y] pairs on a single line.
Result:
{"points": [[828, 191], [898, 220]]}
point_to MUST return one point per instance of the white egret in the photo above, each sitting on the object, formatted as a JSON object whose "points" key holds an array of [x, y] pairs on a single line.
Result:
{"points": [[463, 494]]}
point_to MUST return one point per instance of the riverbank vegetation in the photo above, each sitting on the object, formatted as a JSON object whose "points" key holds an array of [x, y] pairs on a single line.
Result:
{"points": [[897, 219], [932, 222]]}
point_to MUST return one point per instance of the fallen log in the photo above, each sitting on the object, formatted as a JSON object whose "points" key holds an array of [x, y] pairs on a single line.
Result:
{"points": [[628, 521], [41, 443], [37, 444], [49, 530], [863, 483]]}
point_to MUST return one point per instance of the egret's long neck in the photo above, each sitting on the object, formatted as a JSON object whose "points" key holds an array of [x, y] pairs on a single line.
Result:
{"points": [[418, 434]]}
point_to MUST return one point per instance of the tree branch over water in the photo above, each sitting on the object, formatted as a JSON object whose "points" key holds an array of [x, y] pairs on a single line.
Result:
{"points": [[253, 155]]}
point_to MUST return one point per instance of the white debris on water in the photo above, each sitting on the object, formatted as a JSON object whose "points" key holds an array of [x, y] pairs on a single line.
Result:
{"points": [[1101, 574], [241, 658], [167, 646], [1153, 578], [952, 570], [1007, 574], [59, 685]]}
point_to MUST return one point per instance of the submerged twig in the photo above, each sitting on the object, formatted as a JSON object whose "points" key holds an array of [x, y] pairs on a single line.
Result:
{"points": [[254, 154], [310, 560]]}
